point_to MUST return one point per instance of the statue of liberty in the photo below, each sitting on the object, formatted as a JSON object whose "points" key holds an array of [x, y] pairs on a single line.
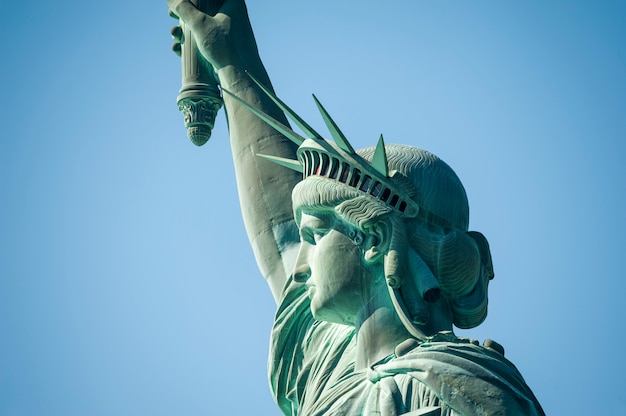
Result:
{"points": [[367, 254]]}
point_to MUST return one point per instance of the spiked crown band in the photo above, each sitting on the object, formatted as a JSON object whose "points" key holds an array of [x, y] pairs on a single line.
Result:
{"points": [[316, 160], [339, 162]]}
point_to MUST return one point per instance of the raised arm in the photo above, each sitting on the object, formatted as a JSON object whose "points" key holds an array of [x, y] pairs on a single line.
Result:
{"points": [[227, 42]]}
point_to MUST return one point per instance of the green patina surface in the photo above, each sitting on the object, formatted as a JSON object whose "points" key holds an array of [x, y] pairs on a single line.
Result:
{"points": [[367, 253]]}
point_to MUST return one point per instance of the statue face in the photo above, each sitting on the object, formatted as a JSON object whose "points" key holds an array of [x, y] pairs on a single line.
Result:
{"points": [[332, 266]]}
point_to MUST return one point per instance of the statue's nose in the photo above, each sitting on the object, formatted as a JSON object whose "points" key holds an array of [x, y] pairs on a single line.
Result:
{"points": [[301, 274], [302, 270]]}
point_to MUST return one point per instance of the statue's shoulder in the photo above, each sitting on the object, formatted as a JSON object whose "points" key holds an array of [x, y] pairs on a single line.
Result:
{"points": [[463, 373], [451, 354]]}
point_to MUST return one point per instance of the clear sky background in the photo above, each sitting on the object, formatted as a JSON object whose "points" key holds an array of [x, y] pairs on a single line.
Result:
{"points": [[127, 286]]}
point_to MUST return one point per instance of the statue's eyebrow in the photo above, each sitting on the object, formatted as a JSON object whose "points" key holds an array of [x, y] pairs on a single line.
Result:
{"points": [[315, 222]]}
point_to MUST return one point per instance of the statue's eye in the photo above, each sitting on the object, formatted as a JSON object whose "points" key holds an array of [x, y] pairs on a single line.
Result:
{"points": [[313, 235], [308, 238], [318, 234]]}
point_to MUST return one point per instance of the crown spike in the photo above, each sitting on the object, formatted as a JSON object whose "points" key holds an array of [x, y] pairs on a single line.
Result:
{"points": [[288, 163], [290, 134], [338, 136], [379, 160], [304, 126]]}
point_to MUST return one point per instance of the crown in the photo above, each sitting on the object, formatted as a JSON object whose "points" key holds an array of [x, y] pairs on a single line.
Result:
{"points": [[339, 162]]}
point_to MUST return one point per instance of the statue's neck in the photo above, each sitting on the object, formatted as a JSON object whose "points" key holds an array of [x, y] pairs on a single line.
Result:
{"points": [[379, 331]]}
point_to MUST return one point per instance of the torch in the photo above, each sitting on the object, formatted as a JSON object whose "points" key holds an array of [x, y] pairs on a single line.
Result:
{"points": [[199, 99]]}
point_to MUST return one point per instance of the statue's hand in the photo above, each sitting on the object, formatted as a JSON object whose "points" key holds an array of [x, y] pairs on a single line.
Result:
{"points": [[223, 38]]}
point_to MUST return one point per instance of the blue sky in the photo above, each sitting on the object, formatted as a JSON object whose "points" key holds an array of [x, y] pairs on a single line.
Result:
{"points": [[126, 283]]}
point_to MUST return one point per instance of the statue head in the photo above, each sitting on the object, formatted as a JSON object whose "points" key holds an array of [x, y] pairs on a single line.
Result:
{"points": [[405, 210], [434, 268]]}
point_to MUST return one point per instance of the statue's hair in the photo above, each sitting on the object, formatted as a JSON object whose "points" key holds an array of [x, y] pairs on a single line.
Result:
{"points": [[439, 189], [316, 193], [453, 256]]}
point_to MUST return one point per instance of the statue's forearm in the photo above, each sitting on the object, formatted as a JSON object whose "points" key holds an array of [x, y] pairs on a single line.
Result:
{"points": [[264, 188]]}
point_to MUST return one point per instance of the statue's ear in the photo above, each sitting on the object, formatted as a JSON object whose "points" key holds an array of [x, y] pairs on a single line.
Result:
{"points": [[377, 241]]}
